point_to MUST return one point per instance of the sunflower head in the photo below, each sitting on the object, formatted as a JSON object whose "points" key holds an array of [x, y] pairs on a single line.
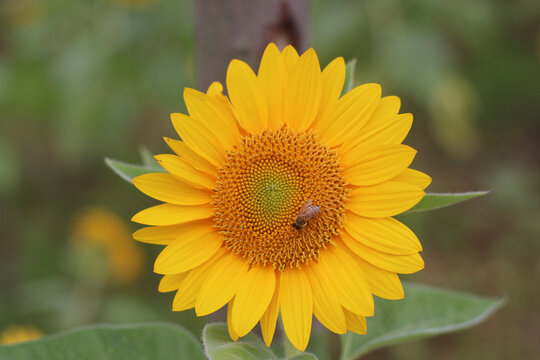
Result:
{"points": [[280, 197], [262, 188]]}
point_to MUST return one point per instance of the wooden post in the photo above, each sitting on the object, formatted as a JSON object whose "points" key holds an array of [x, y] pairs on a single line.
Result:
{"points": [[241, 29]]}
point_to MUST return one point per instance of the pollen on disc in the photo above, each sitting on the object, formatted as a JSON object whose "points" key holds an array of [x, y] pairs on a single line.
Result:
{"points": [[261, 188]]}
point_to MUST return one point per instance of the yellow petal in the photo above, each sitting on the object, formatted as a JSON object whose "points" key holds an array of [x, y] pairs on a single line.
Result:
{"points": [[384, 284], [397, 132], [189, 156], [171, 282], [387, 234], [180, 169], [355, 323], [304, 89], [273, 76], [209, 111], [333, 78], [170, 214], [374, 165], [247, 97], [187, 294], [414, 177], [160, 235], [290, 57], [384, 116], [221, 284], [215, 89], [394, 133], [386, 199], [198, 138], [252, 298], [163, 235], [403, 264], [296, 307], [348, 278], [269, 318], [234, 336], [191, 249], [326, 305], [167, 188], [350, 115], [222, 104]]}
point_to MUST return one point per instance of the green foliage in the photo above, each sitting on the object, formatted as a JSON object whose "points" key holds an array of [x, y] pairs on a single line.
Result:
{"points": [[303, 356], [350, 68], [129, 171], [424, 312], [148, 158], [111, 342], [219, 346], [434, 201]]}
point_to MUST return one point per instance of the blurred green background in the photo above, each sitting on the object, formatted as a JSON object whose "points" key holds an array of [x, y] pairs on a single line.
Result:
{"points": [[82, 80]]}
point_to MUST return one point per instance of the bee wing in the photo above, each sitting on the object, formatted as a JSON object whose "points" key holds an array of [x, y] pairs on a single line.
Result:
{"points": [[305, 207]]}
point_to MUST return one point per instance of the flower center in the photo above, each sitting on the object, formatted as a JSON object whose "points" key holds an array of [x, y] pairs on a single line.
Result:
{"points": [[266, 185]]}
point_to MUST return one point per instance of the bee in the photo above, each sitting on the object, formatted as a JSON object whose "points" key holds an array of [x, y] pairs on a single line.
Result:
{"points": [[307, 212]]}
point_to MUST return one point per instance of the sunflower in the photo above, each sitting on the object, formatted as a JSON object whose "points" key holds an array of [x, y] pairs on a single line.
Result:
{"points": [[15, 334], [280, 199], [98, 227]]}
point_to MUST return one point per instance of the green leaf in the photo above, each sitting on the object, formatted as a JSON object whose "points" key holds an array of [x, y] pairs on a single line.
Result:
{"points": [[350, 68], [148, 158], [434, 201], [424, 312], [111, 342], [128, 171], [219, 346], [303, 356]]}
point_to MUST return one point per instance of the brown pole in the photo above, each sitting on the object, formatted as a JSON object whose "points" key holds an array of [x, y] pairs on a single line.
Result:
{"points": [[240, 29]]}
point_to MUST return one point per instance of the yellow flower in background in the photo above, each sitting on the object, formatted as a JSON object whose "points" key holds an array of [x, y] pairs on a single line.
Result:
{"points": [[16, 334], [21, 13], [280, 199], [100, 227]]}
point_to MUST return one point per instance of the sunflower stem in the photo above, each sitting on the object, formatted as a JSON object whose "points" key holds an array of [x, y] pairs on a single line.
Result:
{"points": [[345, 346], [288, 348]]}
